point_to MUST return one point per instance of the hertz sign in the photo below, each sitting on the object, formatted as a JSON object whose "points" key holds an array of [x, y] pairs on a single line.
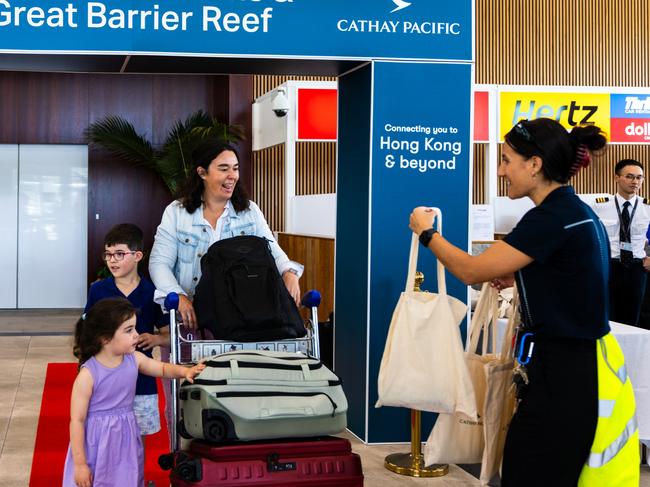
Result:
{"points": [[625, 117], [569, 109]]}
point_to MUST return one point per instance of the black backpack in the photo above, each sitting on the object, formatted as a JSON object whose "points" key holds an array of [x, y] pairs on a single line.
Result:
{"points": [[241, 295]]}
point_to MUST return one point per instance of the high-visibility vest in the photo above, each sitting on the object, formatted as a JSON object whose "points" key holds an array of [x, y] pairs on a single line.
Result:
{"points": [[614, 457]]}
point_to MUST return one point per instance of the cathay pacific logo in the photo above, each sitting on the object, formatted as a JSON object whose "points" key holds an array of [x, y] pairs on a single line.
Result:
{"points": [[394, 25], [401, 4]]}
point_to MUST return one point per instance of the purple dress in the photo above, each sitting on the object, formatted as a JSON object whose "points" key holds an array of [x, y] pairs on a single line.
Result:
{"points": [[113, 444]]}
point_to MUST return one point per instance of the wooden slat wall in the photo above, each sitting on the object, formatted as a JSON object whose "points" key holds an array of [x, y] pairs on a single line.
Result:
{"points": [[264, 84], [315, 174], [268, 184], [318, 255], [563, 42], [478, 190], [315, 167]]}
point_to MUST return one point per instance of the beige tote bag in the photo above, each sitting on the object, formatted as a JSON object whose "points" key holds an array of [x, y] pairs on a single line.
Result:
{"points": [[423, 366], [455, 438], [499, 403]]}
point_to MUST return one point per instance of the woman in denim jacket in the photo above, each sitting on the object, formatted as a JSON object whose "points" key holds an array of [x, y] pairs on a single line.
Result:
{"points": [[211, 206]]}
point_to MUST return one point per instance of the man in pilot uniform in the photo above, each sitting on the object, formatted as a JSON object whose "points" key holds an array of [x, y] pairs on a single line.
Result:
{"points": [[626, 217]]}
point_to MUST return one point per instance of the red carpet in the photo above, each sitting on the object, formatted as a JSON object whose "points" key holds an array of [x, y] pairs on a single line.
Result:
{"points": [[52, 436]]}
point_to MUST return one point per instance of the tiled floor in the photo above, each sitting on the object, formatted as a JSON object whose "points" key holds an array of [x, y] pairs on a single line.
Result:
{"points": [[38, 322], [23, 361]]}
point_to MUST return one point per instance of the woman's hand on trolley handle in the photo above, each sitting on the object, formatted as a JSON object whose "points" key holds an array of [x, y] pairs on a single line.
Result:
{"points": [[186, 311], [293, 286]]}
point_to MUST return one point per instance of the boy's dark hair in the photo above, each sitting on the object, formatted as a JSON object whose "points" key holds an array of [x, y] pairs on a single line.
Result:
{"points": [[191, 191], [125, 233], [626, 162], [100, 323]]}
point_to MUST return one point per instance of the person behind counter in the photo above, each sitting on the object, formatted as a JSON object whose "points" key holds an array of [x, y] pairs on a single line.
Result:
{"points": [[559, 255], [212, 205], [626, 217]]}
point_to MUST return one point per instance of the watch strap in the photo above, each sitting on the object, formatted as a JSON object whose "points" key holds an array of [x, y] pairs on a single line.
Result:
{"points": [[426, 236]]}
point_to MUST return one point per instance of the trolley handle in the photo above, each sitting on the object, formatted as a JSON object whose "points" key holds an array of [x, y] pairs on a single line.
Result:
{"points": [[171, 301], [311, 300]]}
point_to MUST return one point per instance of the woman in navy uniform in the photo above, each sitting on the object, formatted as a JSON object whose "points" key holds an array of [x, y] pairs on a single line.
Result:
{"points": [[559, 255]]}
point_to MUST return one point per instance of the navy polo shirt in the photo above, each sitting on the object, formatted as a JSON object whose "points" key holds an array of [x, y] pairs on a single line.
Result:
{"points": [[564, 290], [149, 315]]}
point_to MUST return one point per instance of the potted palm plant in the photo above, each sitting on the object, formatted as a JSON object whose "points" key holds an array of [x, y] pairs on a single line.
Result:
{"points": [[171, 161]]}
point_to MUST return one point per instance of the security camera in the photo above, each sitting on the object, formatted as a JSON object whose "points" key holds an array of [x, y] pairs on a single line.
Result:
{"points": [[280, 103]]}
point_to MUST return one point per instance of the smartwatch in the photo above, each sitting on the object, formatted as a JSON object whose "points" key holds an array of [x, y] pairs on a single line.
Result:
{"points": [[426, 236]]}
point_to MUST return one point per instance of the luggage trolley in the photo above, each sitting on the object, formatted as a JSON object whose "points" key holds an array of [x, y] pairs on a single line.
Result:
{"points": [[186, 349]]}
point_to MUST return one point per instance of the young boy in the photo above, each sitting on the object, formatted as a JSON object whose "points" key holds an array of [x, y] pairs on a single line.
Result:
{"points": [[123, 246]]}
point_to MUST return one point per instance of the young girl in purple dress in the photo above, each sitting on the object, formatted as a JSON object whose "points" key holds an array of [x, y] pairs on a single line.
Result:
{"points": [[105, 444]]}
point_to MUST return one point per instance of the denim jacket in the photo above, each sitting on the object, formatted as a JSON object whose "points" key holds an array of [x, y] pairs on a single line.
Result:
{"points": [[183, 238]]}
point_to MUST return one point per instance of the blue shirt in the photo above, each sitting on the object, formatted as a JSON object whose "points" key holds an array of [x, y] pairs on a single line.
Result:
{"points": [[149, 315], [564, 290]]}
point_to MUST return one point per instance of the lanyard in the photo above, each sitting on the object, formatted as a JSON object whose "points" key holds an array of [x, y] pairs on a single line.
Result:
{"points": [[626, 231]]}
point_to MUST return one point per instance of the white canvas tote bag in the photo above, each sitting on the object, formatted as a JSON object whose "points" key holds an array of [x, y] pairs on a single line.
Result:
{"points": [[455, 438], [423, 366]]}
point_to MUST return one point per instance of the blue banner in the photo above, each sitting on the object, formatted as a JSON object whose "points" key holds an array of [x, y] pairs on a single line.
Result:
{"points": [[421, 156], [416, 29]]}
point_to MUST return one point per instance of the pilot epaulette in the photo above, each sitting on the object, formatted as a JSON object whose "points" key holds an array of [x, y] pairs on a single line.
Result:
{"points": [[603, 199]]}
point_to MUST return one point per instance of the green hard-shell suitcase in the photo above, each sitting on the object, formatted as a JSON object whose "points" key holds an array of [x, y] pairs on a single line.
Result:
{"points": [[252, 395]]}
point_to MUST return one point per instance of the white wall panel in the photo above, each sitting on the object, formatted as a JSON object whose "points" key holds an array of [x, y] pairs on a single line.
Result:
{"points": [[52, 226], [314, 215], [8, 224]]}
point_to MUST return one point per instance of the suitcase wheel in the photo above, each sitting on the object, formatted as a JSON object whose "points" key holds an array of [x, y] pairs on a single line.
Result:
{"points": [[166, 461], [215, 429], [190, 470], [217, 426]]}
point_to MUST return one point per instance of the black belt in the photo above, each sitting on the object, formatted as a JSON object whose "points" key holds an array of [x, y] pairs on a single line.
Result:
{"points": [[618, 259]]}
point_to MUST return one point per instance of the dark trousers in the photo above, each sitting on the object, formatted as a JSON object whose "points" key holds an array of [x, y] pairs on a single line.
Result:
{"points": [[626, 290], [553, 429]]}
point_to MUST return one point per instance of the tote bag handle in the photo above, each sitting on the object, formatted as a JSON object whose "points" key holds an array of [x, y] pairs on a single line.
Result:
{"points": [[507, 348], [413, 258], [484, 321]]}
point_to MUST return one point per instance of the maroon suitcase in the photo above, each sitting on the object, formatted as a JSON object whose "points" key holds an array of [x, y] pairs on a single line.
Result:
{"points": [[313, 462]]}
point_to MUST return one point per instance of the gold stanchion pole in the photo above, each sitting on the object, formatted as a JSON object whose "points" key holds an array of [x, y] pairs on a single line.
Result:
{"points": [[412, 464]]}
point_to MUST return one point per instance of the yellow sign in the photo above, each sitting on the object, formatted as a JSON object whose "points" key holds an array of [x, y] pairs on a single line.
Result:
{"points": [[570, 109]]}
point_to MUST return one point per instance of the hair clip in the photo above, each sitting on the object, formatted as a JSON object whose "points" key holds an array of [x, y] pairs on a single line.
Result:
{"points": [[523, 131], [583, 159]]}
